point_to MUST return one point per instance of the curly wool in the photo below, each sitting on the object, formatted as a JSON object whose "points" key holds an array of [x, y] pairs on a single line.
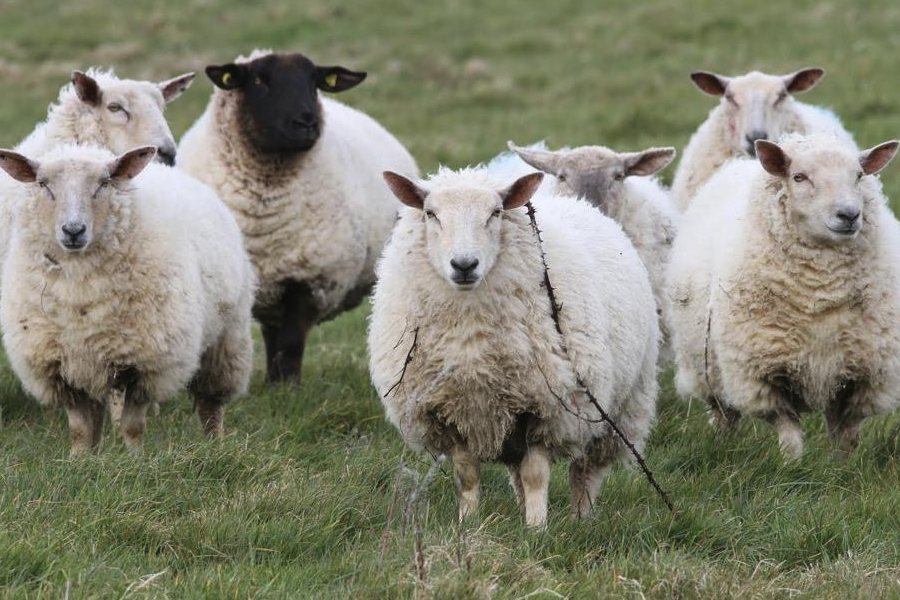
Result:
{"points": [[486, 357]]}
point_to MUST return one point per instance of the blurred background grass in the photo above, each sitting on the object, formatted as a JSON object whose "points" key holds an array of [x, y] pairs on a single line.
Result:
{"points": [[295, 501]]}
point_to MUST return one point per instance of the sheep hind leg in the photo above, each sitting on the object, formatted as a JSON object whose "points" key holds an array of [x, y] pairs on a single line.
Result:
{"points": [[285, 346], [467, 471], [843, 423], [790, 435], [585, 477], [515, 481], [722, 417], [224, 373], [535, 472]]}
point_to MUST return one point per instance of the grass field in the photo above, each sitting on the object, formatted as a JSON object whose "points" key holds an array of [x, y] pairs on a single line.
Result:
{"points": [[295, 501]]}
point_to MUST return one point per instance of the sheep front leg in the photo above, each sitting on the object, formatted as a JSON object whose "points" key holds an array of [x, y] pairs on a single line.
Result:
{"points": [[535, 472], [133, 425], [467, 470], [85, 423], [584, 483], [515, 481], [211, 411], [286, 340], [844, 420], [790, 435]]}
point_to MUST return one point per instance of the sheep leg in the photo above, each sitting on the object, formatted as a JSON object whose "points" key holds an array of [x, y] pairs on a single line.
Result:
{"points": [[844, 423], [85, 422], [211, 411], [134, 424], [535, 471], [467, 470], [585, 477], [790, 435], [298, 315], [515, 481]]}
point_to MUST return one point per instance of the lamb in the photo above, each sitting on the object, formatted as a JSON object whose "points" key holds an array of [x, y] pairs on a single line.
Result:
{"points": [[753, 107], [784, 290], [121, 289], [302, 176], [97, 108], [619, 184], [460, 292]]}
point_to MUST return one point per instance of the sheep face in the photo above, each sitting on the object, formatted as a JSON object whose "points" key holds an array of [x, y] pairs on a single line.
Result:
{"points": [[71, 198], [829, 188], [595, 173], [278, 98], [130, 113], [463, 226], [757, 106]]}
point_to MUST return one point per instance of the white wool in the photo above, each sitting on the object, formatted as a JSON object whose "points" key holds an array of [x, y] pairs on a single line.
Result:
{"points": [[321, 218], [174, 289], [487, 356]]}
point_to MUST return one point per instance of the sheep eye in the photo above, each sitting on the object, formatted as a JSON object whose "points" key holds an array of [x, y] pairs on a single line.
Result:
{"points": [[859, 176], [430, 214], [114, 107], [799, 177], [561, 177], [730, 98], [104, 183], [497, 212], [619, 176]]}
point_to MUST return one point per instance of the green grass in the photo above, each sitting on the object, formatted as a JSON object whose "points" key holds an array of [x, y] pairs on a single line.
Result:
{"points": [[294, 502]]}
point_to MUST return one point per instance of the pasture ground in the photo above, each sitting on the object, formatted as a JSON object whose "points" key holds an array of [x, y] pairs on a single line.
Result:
{"points": [[294, 502]]}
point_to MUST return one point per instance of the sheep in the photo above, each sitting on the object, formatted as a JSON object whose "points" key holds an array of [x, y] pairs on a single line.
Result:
{"points": [[784, 290], [755, 106], [97, 108], [121, 289], [460, 292], [301, 173], [619, 184]]}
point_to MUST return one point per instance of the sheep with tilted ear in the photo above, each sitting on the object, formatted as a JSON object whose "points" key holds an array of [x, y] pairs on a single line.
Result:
{"points": [[755, 106], [785, 290], [621, 185], [124, 282], [461, 293]]}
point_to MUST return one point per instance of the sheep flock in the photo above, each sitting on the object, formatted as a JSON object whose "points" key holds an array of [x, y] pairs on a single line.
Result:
{"points": [[521, 309]]}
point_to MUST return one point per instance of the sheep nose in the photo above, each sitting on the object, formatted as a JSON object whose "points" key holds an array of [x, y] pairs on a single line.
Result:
{"points": [[166, 155], [74, 230], [751, 140], [848, 215], [306, 120], [464, 266]]}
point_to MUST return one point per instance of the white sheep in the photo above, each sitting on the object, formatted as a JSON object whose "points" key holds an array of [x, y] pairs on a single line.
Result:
{"points": [[755, 106], [97, 108], [302, 175], [620, 185], [460, 286], [120, 290], [784, 289]]}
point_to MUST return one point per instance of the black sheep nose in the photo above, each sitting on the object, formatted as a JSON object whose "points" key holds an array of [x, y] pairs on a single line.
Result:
{"points": [[848, 215], [306, 120], [74, 230], [464, 265]]}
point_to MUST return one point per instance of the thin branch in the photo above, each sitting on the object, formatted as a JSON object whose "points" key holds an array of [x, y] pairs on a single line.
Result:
{"points": [[409, 357], [554, 313]]}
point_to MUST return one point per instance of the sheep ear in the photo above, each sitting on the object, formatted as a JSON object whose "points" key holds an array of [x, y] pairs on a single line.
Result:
{"points": [[131, 163], [406, 191], [338, 79], [521, 191], [176, 86], [803, 80], [875, 159], [649, 161], [227, 77], [772, 158], [712, 84], [86, 88], [18, 167], [542, 160]]}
